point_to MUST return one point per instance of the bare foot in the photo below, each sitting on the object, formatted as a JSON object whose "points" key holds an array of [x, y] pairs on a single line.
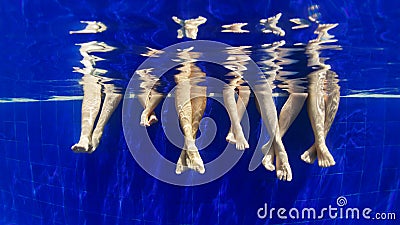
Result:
{"points": [[310, 155], [153, 118], [283, 170], [83, 146], [181, 165], [241, 142], [96, 137], [193, 158], [147, 119], [325, 159], [230, 138], [268, 160]]}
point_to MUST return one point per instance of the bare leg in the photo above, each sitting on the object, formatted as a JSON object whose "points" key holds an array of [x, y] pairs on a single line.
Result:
{"points": [[289, 113], [316, 112], [269, 117], [243, 100], [148, 116], [184, 108], [110, 103], [90, 109], [230, 104], [198, 100], [331, 106]]}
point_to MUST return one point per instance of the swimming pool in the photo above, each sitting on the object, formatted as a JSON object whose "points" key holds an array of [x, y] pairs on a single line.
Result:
{"points": [[43, 64]]}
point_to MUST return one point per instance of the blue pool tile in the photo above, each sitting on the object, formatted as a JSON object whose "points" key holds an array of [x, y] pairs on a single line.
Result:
{"points": [[351, 183], [20, 169], [387, 177], [355, 135], [25, 218], [389, 156], [73, 215], [354, 159], [356, 111], [49, 194], [35, 133], [337, 136], [10, 149], [9, 130], [366, 185], [374, 134], [7, 112], [48, 115], [392, 110], [3, 151], [21, 130], [51, 214], [22, 151], [49, 175], [331, 185], [133, 209], [7, 199], [23, 188], [50, 154], [391, 137], [368, 199], [375, 110], [2, 131], [28, 205], [21, 111]]}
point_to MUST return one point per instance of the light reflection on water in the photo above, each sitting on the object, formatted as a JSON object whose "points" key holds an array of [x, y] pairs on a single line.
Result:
{"points": [[286, 66]]}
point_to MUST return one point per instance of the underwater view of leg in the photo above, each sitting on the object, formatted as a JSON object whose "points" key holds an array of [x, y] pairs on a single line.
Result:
{"points": [[273, 149], [181, 165], [282, 166], [289, 113], [243, 100], [110, 103], [331, 106], [230, 105], [185, 113], [317, 114], [148, 116], [90, 109]]}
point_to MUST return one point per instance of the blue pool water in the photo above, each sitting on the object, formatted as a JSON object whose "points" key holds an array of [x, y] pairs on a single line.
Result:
{"points": [[43, 182]]}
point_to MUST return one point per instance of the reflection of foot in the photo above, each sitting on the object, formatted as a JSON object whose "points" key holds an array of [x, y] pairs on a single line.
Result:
{"points": [[325, 159], [268, 160], [83, 146], [230, 138], [310, 155], [283, 170], [181, 165]]}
